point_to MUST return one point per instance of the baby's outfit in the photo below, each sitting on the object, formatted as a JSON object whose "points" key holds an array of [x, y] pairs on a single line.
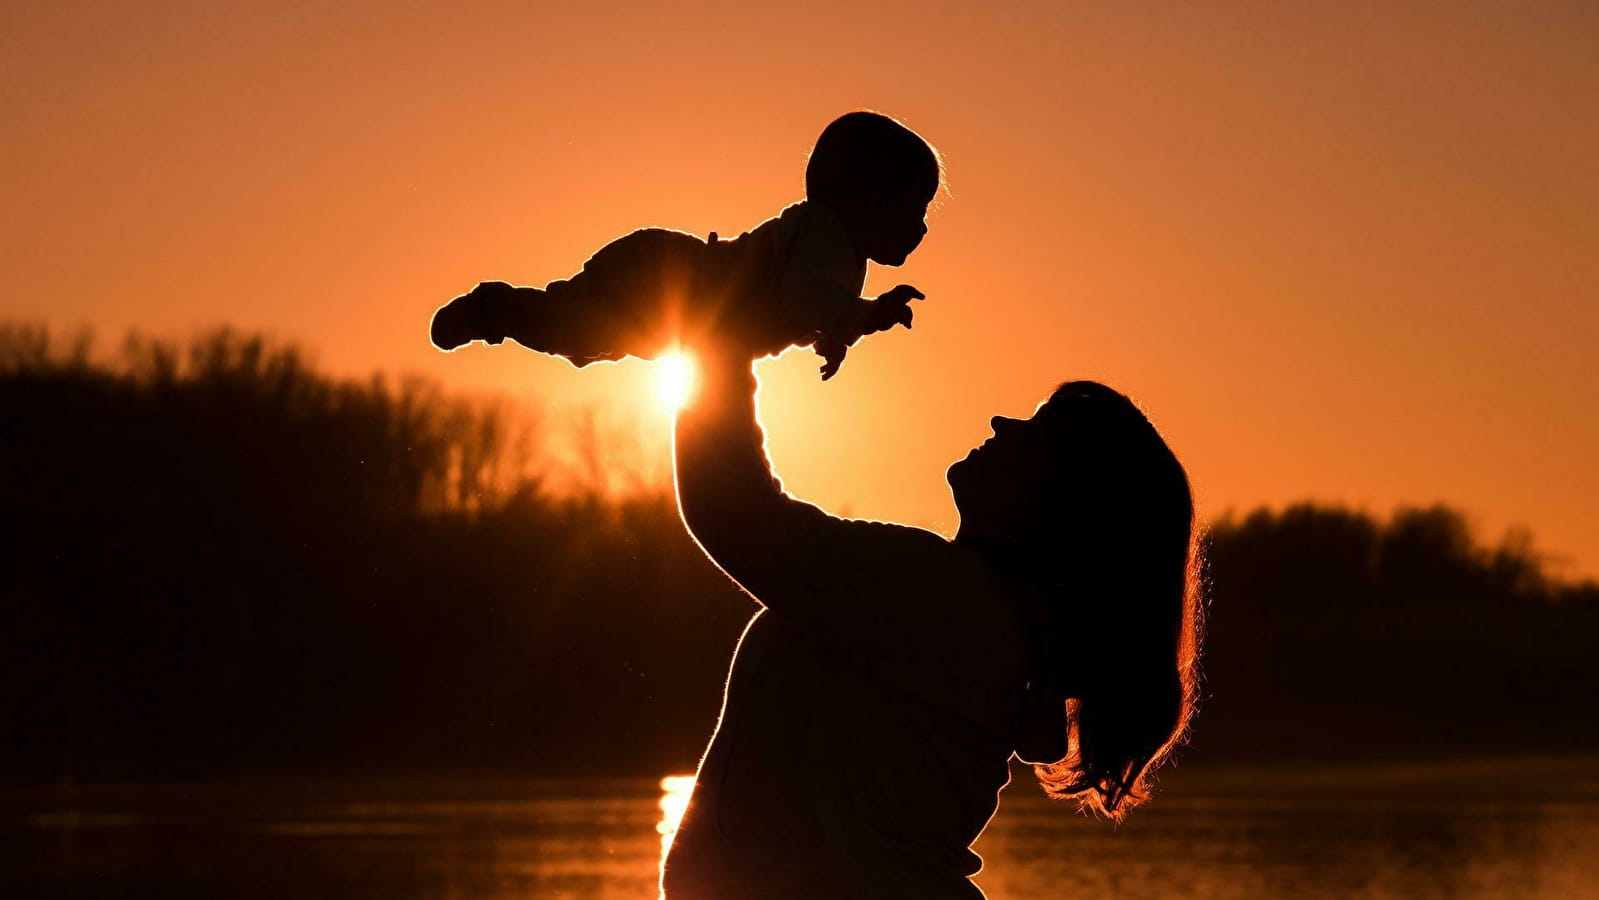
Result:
{"points": [[792, 280], [821, 285]]}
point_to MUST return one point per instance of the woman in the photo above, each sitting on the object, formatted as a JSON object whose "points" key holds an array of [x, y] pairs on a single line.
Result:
{"points": [[877, 697]]}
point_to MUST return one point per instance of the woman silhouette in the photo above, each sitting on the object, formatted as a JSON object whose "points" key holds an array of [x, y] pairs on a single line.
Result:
{"points": [[876, 699]]}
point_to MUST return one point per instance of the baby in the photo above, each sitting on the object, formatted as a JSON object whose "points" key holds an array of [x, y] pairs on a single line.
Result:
{"points": [[794, 280]]}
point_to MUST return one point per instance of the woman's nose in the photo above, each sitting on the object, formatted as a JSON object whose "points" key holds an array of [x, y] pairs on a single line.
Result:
{"points": [[1000, 422]]}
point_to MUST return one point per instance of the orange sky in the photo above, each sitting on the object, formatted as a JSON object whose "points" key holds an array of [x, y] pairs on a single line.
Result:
{"points": [[1342, 251]]}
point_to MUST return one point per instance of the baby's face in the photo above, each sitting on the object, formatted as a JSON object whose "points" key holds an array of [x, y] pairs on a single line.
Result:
{"points": [[893, 225]]}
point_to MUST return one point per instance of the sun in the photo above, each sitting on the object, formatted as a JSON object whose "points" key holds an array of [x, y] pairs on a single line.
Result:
{"points": [[674, 380]]}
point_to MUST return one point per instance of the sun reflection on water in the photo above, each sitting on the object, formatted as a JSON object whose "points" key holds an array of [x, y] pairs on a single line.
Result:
{"points": [[1511, 829], [675, 790]]}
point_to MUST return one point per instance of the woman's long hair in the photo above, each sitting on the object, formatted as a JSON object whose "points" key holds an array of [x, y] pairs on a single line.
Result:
{"points": [[1116, 561]]}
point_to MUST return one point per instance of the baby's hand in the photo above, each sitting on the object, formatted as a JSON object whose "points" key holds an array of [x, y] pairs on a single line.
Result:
{"points": [[832, 352], [889, 309], [893, 308]]}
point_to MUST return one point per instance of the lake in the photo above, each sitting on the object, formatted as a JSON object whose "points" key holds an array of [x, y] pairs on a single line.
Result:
{"points": [[1507, 828]]}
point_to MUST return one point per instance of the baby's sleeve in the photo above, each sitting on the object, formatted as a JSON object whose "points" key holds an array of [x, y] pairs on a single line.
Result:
{"points": [[822, 278]]}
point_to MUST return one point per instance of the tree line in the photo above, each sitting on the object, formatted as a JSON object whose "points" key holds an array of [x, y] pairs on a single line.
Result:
{"points": [[215, 558]]}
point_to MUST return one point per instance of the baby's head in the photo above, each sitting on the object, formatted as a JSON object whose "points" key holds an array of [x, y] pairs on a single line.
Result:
{"points": [[878, 177]]}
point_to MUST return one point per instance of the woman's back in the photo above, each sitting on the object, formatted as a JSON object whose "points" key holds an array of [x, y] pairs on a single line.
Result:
{"points": [[865, 734]]}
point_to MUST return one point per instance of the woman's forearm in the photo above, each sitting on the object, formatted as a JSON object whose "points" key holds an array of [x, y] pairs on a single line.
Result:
{"points": [[725, 487], [838, 577]]}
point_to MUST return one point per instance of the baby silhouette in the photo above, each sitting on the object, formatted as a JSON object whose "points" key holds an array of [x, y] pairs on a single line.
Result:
{"points": [[794, 280]]}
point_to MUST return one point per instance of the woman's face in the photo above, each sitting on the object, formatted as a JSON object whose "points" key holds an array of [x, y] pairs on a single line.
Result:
{"points": [[998, 485]]}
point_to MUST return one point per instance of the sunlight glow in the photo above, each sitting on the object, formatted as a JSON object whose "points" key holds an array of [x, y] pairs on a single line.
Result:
{"points": [[674, 380], [675, 791]]}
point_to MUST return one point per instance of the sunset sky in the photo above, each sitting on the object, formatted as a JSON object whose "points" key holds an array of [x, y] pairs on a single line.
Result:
{"points": [[1347, 251]]}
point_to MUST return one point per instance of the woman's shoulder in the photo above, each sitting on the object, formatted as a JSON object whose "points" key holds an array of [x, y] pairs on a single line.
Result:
{"points": [[937, 573], [957, 557], [910, 541], [960, 638]]}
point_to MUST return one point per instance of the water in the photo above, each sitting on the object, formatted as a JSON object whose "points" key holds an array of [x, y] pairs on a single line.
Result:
{"points": [[1485, 829]]}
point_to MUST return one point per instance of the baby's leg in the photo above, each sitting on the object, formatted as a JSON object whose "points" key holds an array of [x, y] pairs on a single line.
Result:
{"points": [[560, 319], [567, 318], [631, 298]]}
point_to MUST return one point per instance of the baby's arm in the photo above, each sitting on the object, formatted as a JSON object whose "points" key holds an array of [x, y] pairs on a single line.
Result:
{"points": [[824, 307], [862, 317], [820, 290]]}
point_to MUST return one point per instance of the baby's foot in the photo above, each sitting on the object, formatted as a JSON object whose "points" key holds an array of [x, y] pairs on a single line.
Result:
{"points": [[470, 317]]}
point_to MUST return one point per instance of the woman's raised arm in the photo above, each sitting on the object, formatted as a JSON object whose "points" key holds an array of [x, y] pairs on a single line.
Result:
{"points": [[720, 454], [808, 566]]}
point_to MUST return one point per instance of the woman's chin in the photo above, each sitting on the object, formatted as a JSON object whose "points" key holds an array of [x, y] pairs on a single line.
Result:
{"points": [[959, 474]]}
